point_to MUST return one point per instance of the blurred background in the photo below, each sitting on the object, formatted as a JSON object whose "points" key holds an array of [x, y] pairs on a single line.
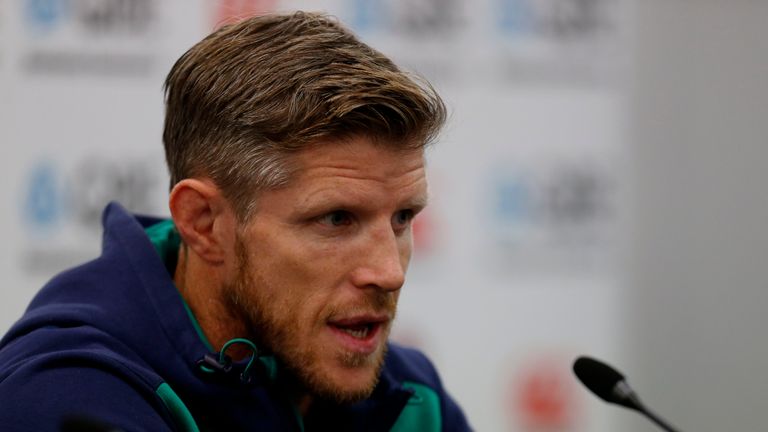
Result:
{"points": [[599, 188]]}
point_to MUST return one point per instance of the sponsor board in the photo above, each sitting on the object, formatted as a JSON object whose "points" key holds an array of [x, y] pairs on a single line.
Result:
{"points": [[414, 19], [61, 206], [421, 35], [539, 215], [555, 217], [450, 41], [559, 41], [89, 37]]}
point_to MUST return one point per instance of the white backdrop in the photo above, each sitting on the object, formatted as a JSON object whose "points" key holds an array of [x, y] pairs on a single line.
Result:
{"points": [[519, 261]]}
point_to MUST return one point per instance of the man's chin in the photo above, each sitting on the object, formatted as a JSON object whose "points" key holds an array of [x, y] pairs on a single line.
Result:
{"points": [[342, 382], [347, 391]]}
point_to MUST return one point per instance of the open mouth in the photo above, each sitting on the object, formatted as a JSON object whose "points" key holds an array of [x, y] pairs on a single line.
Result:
{"points": [[358, 331]]}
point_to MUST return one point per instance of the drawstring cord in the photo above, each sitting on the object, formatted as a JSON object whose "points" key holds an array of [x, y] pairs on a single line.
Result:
{"points": [[212, 363]]}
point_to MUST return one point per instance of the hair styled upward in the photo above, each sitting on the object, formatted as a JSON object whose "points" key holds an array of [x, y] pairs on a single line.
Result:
{"points": [[243, 99]]}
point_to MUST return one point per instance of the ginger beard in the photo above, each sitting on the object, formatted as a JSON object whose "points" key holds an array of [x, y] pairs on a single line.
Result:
{"points": [[277, 322]]}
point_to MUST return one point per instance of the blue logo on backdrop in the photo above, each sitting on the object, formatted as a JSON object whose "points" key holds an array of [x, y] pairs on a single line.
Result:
{"points": [[60, 203], [413, 18], [567, 198], [103, 16], [513, 200], [366, 14], [557, 19], [43, 202], [124, 26], [45, 14], [515, 16], [52, 198]]}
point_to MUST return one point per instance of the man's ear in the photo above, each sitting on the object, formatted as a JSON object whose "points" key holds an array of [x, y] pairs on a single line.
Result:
{"points": [[203, 218]]}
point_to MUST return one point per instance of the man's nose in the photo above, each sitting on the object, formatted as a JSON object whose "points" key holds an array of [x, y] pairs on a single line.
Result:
{"points": [[381, 263]]}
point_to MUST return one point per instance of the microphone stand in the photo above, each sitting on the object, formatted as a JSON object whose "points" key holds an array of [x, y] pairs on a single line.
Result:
{"points": [[630, 400]]}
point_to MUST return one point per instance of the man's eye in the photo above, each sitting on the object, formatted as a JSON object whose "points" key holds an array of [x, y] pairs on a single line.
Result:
{"points": [[403, 218], [336, 218]]}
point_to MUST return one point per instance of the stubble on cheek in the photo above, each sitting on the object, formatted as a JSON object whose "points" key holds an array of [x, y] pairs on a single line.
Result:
{"points": [[256, 306], [277, 327]]}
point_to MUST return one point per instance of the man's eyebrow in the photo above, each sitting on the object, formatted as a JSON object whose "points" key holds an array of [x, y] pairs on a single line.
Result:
{"points": [[331, 197], [419, 202]]}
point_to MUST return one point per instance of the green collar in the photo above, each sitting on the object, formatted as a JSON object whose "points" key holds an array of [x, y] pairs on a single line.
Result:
{"points": [[166, 241]]}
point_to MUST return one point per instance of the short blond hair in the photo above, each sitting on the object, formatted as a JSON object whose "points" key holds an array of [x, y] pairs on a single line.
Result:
{"points": [[239, 102]]}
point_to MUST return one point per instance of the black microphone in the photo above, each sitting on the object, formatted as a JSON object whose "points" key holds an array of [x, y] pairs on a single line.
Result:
{"points": [[609, 385]]}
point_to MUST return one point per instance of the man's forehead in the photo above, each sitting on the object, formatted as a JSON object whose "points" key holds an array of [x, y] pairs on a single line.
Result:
{"points": [[314, 173], [359, 157]]}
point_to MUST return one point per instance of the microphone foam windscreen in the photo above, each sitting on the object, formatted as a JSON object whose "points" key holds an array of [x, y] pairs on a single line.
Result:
{"points": [[598, 377]]}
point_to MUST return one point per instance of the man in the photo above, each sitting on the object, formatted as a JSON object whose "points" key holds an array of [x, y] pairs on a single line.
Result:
{"points": [[296, 161]]}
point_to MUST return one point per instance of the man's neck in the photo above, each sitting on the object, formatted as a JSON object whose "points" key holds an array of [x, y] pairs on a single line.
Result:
{"points": [[203, 293], [219, 323]]}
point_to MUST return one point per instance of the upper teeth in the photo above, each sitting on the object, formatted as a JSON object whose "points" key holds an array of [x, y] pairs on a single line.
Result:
{"points": [[361, 333]]}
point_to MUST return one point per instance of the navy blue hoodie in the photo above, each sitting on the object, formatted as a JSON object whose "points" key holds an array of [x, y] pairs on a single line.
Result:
{"points": [[112, 341]]}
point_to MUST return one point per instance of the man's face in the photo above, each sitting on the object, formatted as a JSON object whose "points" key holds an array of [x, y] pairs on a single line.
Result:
{"points": [[323, 260]]}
